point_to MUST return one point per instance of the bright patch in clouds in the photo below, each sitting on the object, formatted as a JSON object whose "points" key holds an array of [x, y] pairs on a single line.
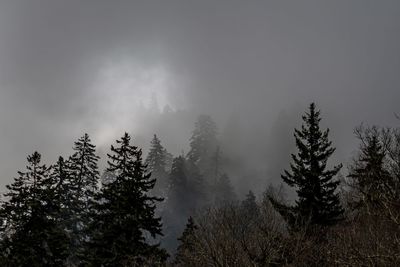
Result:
{"points": [[125, 95]]}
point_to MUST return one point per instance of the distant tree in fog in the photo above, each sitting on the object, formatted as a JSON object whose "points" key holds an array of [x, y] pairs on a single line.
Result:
{"points": [[224, 191], [156, 162], [249, 205], [203, 144]]}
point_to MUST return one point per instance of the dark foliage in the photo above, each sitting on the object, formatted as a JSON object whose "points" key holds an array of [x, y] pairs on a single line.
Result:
{"points": [[125, 213], [31, 235], [318, 202]]}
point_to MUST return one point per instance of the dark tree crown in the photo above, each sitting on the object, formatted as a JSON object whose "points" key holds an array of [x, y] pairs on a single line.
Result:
{"points": [[317, 203]]}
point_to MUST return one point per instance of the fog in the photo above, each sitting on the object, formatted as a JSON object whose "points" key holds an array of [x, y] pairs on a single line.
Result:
{"points": [[105, 67]]}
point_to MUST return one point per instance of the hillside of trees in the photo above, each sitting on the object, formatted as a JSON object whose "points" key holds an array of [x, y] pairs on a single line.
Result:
{"points": [[183, 210]]}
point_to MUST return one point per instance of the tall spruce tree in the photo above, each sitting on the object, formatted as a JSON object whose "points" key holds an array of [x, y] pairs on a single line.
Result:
{"points": [[178, 185], [31, 233], [224, 192], [317, 203], [198, 189], [203, 144], [125, 213], [369, 176], [156, 163], [83, 179], [84, 170], [179, 203], [60, 183], [156, 158]]}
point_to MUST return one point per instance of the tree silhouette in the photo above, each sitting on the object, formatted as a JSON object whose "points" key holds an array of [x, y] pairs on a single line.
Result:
{"points": [[187, 244], [31, 234], [125, 213], [156, 163], [83, 176], [317, 203]]}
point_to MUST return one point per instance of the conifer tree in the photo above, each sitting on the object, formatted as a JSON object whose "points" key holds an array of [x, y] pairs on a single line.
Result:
{"points": [[185, 197], [199, 190], [156, 159], [84, 169], [203, 144], [249, 206], [64, 197], [125, 213], [31, 234], [224, 192], [187, 244], [317, 203], [61, 188], [179, 203], [83, 179], [369, 175], [156, 163]]}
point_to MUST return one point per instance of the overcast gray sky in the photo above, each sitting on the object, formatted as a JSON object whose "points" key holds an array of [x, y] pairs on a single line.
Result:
{"points": [[74, 66]]}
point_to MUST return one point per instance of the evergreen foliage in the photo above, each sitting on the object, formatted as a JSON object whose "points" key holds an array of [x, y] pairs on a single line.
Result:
{"points": [[317, 203], [31, 235], [203, 144], [249, 205], [198, 189], [179, 203], [369, 174], [83, 178], [62, 193], [224, 192], [84, 170], [156, 162], [178, 183], [187, 244], [125, 213]]}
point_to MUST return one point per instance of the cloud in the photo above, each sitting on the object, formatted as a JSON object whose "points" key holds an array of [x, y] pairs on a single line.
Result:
{"points": [[73, 66]]}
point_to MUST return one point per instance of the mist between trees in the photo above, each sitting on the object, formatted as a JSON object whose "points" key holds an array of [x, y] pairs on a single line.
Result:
{"points": [[182, 210]]}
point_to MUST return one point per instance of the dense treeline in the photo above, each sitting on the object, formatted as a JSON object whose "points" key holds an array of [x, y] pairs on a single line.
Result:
{"points": [[183, 211]]}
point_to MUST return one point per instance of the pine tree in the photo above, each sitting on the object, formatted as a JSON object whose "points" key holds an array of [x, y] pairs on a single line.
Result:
{"points": [[156, 159], [249, 206], [179, 203], [61, 187], [125, 213], [84, 169], [369, 175], [83, 176], [156, 163], [187, 243], [317, 203], [203, 144], [198, 189], [185, 197], [31, 234], [224, 192]]}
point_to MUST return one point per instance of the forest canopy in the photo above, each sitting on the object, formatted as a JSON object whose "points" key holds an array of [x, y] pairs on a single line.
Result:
{"points": [[183, 210]]}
